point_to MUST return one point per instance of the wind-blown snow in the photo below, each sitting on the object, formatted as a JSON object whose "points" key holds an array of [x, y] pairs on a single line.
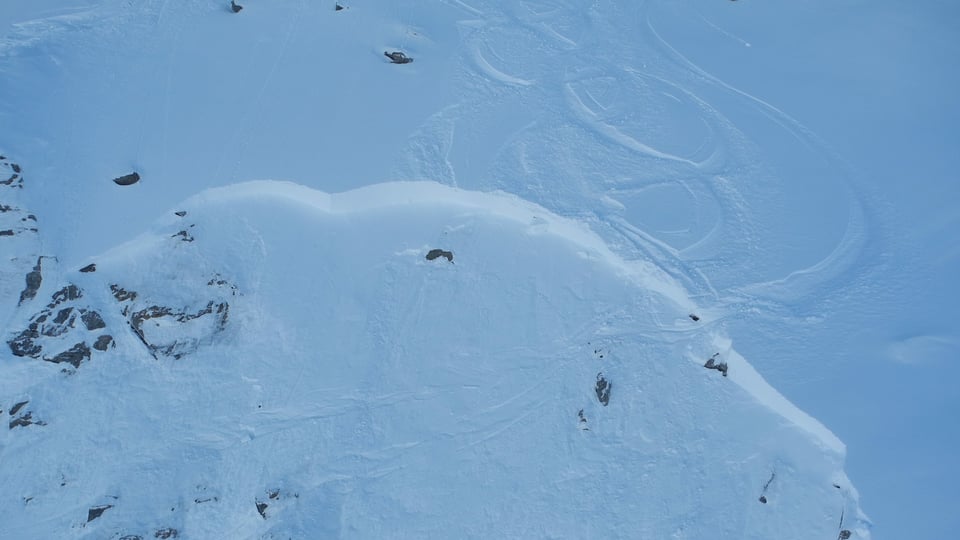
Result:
{"points": [[383, 394], [600, 171]]}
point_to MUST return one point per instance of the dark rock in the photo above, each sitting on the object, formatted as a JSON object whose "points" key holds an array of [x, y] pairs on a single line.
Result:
{"points": [[177, 348], [70, 292], [61, 324], [63, 315], [93, 321], [337, 7], [694, 317], [720, 366], [23, 421], [127, 179], [7, 232], [844, 535], [25, 344], [6, 208], [181, 213], [17, 406], [121, 294], [273, 494], [74, 355], [763, 499], [97, 511], [603, 390], [34, 279], [92, 267], [9, 181], [131, 537], [184, 236], [436, 253], [103, 342], [398, 57], [15, 167], [262, 509], [168, 532], [235, 7]]}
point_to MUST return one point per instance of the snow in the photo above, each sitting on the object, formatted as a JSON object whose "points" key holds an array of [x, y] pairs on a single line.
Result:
{"points": [[406, 397], [599, 170]]}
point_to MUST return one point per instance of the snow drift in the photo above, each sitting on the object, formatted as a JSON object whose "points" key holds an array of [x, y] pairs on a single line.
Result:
{"points": [[288, 363]]}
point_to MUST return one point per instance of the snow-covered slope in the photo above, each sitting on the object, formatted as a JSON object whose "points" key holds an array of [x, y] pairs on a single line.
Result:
{"points": [[287, 363], [284, 359]]}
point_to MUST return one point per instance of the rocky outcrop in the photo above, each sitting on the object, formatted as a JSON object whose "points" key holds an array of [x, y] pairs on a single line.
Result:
{"points": [[68, 330], [97, 511], [175, 332], [602, 389], [10, 173], [127, 179], [50, 329], [22, 417], [437, 253], [713, 363]]}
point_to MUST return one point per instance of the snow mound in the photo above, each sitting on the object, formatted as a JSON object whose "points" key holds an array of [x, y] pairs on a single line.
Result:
{"points": [[290, 363]]}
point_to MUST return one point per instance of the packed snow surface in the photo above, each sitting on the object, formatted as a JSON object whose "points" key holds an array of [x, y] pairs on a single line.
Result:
{"points": [[477, 295], [358, 389]]}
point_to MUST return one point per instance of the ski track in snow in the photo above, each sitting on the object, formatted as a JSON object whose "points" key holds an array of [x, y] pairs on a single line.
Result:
{"points": [[583, 110]]}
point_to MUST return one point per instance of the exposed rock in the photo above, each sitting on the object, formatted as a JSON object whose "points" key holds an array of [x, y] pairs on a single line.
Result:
{"points": [[694, 317], [24, 344], [844, 534], [103, 342], [720, 366], [97, 511], [435, 253], [121, 294], [6, 208], [763, 494], [70, 292], [168, 532], [337, 7], [603, 389], [131, 537], [93, 321], [15, 167], [23, 421], [582, 423], [177, 347], [262, 509], [398, 57], [92, 267], [74, 355], [127, 179], [181, 213], [183, 235], [17, 406], [235, 7], [61, 324], [7, 232], [62, 316]]}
